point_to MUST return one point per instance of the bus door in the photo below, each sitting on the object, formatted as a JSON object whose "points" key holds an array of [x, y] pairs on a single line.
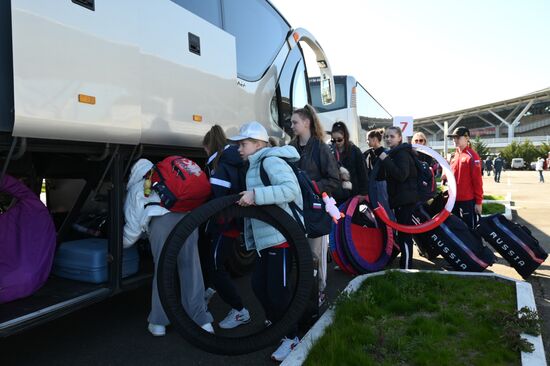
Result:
{"points": [[293, 90]]}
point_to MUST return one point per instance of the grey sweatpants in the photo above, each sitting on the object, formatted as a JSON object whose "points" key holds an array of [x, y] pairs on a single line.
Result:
{"points": [[319, 249], [189, 271]]}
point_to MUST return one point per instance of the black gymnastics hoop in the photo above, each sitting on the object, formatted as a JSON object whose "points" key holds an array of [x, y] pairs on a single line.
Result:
{"points": [[168, 284]]}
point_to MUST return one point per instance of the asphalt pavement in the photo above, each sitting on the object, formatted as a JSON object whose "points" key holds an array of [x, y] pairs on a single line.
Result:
{"points": [[114, 332]]}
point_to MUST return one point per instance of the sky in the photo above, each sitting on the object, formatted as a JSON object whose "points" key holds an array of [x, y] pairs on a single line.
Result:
{"points": [[425, 57]]}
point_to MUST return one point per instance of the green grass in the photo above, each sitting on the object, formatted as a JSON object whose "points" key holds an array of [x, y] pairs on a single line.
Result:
{"points": [[492, 208], [423, 319], [493, 197]]}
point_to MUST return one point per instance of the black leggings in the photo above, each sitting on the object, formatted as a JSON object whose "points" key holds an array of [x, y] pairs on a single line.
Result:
{"points": [[403, 215], [222, 246], [271, 285]]}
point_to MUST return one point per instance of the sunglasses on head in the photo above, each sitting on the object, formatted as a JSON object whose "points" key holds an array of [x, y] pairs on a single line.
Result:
{"points": [[338, 140]]}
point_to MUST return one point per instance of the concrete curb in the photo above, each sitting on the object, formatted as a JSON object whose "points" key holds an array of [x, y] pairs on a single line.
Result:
{"points": [[524, 295], [507, 207]]}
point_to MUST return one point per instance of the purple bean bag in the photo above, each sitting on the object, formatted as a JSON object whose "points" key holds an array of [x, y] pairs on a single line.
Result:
{"points": [[27, 242]]}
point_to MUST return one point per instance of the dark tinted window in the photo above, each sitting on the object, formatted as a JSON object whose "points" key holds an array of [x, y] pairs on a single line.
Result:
{"points": [[260, 32], [371, 113], [209, 10], [285, 88], [299, 87]]}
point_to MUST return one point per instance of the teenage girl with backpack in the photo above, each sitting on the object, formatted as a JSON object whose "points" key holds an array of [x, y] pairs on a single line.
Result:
{"points": [[351, 164], [317, 161], [401, 178], [225, 169], [269, 280]]}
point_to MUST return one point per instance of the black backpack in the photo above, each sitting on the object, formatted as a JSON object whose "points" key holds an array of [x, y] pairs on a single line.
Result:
{"points": [[426, 185], [317, 221]]}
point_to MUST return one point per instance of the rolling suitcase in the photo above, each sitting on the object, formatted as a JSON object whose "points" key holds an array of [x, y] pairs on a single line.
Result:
{"points": [[86, 260], [460, 246], [514, 242]]}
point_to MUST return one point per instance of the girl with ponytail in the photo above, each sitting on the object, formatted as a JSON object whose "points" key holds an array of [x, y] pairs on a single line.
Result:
{"points": [[319, 163]]}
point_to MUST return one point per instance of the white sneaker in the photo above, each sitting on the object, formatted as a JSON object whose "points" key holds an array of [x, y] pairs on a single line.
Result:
{"points": [[208, 294], [235, 318], [208, 327], [287, 345], [157, 330]]}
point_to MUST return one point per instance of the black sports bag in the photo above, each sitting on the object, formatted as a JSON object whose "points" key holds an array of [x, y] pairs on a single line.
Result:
{"points": [[514, 242]]}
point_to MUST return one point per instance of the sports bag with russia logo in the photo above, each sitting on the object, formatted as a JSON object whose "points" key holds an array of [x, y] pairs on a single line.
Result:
{"points": [[180, 183]]}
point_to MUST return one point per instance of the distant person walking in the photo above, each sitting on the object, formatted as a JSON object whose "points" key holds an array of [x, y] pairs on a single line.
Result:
{"points": [[489, 166], [466, 167], [498, 164], [539, 168]]}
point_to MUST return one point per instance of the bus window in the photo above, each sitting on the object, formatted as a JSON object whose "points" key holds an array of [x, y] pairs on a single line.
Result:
{"points": [[285, 87], [299, 87], [209, 10], [371, 113], [341, 95], [260, 32]]}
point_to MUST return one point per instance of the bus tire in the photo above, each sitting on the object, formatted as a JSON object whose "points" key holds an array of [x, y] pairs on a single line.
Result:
{"points": [[168, 283]]}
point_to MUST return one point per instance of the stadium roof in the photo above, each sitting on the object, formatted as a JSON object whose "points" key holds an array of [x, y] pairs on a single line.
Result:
{"points": [[505, 111]]}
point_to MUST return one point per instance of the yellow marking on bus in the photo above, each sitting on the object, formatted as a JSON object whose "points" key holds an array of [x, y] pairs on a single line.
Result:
{"points": [[88, 99]]}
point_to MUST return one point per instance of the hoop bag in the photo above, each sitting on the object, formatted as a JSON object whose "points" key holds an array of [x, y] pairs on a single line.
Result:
{"points": [[180, 183], [461, 247], [514, 242], [27, 242]]}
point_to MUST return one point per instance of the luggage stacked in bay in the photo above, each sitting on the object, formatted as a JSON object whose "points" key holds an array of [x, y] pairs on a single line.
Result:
{"points": [[513, 242], [459, 245], [87, 260]]}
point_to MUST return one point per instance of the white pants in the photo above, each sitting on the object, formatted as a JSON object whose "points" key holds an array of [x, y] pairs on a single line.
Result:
{"points": [[319, 249]]}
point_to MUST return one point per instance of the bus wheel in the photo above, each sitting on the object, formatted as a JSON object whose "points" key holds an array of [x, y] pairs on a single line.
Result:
{"points": [[168, 282]]}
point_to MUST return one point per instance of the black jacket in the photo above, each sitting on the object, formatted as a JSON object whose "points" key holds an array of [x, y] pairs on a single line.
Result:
{"points": [[371, 157], [401, 177], [325, 176], [229, 176], [352, 159]]}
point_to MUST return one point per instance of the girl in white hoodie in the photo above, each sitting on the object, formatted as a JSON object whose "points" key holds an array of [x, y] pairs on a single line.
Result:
{"points": [[156, 222]]}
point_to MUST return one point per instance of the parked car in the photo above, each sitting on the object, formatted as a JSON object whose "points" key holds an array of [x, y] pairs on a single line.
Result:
{"points": [[517, 163]]}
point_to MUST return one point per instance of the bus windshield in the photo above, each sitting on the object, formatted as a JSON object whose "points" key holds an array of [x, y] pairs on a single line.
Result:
{"points": [[341, 95]]}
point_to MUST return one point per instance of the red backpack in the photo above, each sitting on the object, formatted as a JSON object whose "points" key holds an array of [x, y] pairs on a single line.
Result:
{"points": [[180, 183]]}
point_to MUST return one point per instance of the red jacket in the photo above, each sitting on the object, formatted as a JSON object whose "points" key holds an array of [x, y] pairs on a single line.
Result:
{"points": [[466, 167]]}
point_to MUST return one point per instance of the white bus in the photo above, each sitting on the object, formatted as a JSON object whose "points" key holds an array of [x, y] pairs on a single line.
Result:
{"points": [[354, 105], [88, 86]]}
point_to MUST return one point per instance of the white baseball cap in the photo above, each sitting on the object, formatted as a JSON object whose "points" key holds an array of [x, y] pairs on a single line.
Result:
{"points": [[251, 130]]}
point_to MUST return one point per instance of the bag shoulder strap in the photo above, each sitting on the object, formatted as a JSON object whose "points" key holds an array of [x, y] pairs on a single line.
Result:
{"points": [[296, 211]]}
